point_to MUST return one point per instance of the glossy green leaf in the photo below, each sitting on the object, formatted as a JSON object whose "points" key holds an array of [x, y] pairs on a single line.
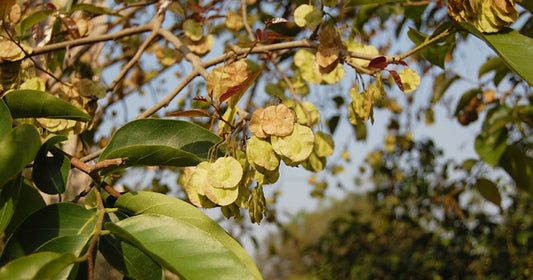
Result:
{"points": [[32, 202], [519, 166], [75, 244], [50, 174], [155, 203], [17, 149], [182, 248], [353, 3], [160, 142], [9, 196], [28, 103], [128, 259], [489, 191], [435, 53], [43, 265], [5, 119], [34, 19], [56, 220], [514, 48]]}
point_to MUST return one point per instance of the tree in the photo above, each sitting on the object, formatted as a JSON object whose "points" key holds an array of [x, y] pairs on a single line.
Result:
{"points": [[394, 232], [67, 65]]}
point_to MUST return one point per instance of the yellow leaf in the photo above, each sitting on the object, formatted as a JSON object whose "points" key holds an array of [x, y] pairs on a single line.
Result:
{"points": [[307, 15], [193, 30], [361, 48], [410, 80]]}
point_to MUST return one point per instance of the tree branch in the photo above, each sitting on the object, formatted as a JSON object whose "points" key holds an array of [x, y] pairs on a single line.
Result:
{"points": [[91, 40]]}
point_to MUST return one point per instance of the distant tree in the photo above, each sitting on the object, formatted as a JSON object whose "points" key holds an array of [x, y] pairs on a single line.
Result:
{"points": [[394, 232]]}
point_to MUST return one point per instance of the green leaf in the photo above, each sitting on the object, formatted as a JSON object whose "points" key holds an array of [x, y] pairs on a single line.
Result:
{"points": [[17, 149], [155, 203], [489, 191], [513, 47], [9, 196], [97, 10], [28, 103], [160, 142], [519, 166], [44, 265], [492, 141], [50, 174], [491, 146], [47, 223], [181, 248], [497, 65], [75, 244], [353, 3], [436, 52], [128, 259], [34, 19], [5, 119], [32, 202], [441, 85]]}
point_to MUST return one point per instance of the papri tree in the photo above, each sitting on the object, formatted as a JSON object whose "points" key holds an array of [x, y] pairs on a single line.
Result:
{"points": [[243, 74]]}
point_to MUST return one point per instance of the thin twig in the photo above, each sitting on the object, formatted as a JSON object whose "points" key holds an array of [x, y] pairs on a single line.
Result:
{"points": [[90, 40], [156, 24], [190, 56], [244, 14], [426, 43], [169, 97]]}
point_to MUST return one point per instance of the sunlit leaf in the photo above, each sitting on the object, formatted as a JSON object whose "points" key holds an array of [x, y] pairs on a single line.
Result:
{"points": [[511, 46], [177, 212], [34, 19], [17, 149], [5, 119], [307, 15], [43, 265], [160, 142], [436, 52], [39, 104]]}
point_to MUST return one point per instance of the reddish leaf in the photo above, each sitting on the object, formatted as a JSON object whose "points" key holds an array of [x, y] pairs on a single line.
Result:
{"points": [[261, 35], [397, 78], [200, 98], [379, 62], [271, 35], [401, 62], [71, 26], [232, 91], [51, 6], [189, 113]]}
